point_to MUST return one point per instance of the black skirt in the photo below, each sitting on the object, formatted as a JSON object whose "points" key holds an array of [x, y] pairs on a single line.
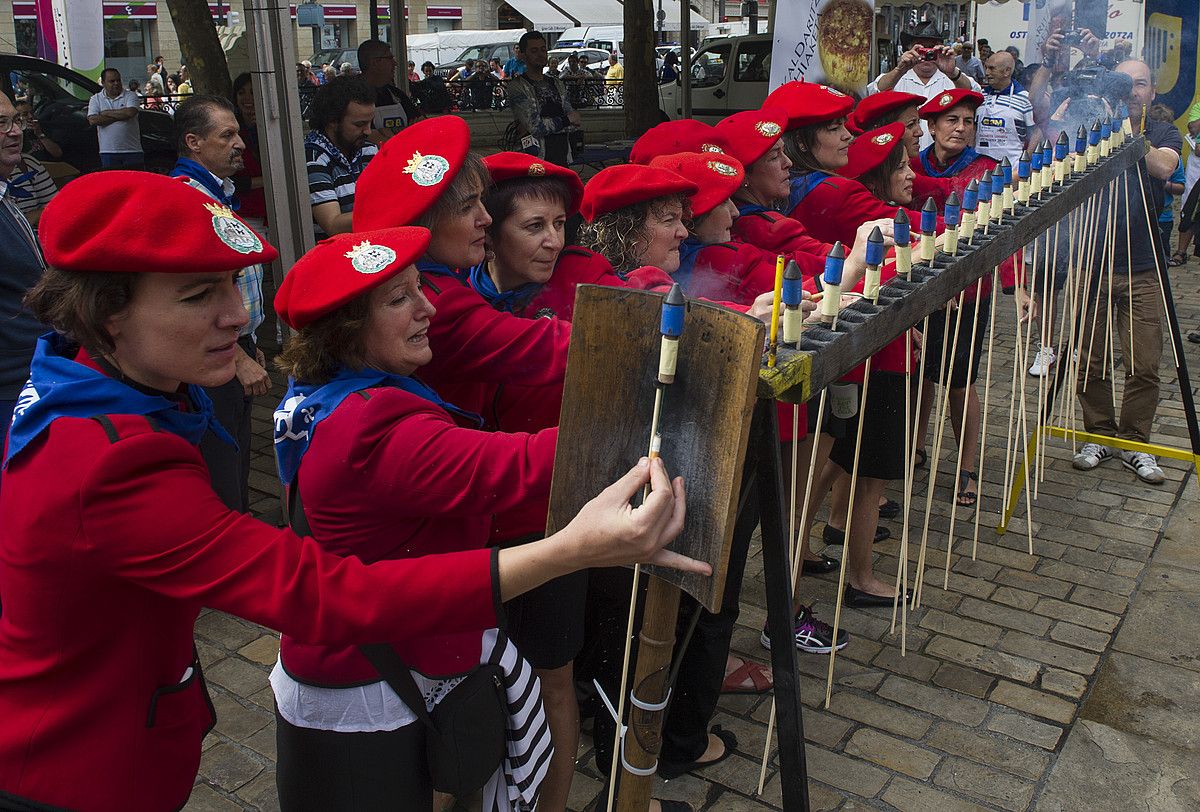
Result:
{"points": [[962, 352], [882, 454]]}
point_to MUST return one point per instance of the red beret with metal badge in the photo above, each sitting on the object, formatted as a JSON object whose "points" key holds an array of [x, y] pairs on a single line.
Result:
{"points": [[880, 104], [949, 99], [809, 103], [509, 165], [624, 185], [671, 137], [344, 267], [412, 170], [110, 221], [871, 149], [717, 176], [751, 133]]}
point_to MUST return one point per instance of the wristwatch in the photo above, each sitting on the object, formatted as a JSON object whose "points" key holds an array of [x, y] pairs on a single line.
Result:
{"points": [[957, 75]]}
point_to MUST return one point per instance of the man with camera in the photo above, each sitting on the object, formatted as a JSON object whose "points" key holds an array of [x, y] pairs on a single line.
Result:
{"points": [[927, 67]]}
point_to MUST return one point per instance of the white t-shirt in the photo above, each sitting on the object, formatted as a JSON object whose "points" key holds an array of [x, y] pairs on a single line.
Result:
{"points": [[119, 136], [1004, 123], [911, 83]]}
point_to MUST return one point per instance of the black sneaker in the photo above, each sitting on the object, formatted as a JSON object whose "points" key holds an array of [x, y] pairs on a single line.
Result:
{"points": [[812, 636]]}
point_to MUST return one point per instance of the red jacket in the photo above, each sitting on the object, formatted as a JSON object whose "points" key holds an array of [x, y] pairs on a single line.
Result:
{"points": [[925, 187], [109, 547], [837, 206], [739, 271], [391, 476], [475, 347], [773, 231]]}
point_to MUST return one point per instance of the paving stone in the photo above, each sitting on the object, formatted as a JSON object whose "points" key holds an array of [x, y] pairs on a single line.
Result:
{"points": [[690, 789], [1098, 599], [1126, 568], [880, 715], [736, 803], [964, 680], [936, 701], [206, 799], [912, 665], [226, 631], [1016, 598], [983, 659], [1105, 527], [1019, 697], [844, 773], [584, 790], [961, 628], [1147, 698], [1080, 637], [1003, 616], [237, 675], [1001, 789], [821, 798], [261, 792], [977, 569], [1022, 728], [236, 721], [1064, 682], [910, 796], [1092, 560], [1044, 651], [892, 753], [990, 750], [1125, 550], [1033, 582], [228, 766], [264, 650], [1078, 615]]}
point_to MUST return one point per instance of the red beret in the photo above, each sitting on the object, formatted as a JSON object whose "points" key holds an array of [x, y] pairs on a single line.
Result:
{"points": [[871, 149], [508, 165], [344, 267], [879, 104], [717, 176], [951, 98], [752, 132], [412, 170], [624, 185], [809, 103], [110, 221], [671, 137]]}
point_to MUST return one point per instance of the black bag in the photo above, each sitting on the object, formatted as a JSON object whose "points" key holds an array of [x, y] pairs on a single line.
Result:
{"points": [[467, 731]]}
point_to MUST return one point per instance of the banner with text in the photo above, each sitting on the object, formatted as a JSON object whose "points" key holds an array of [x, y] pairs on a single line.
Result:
{"points": [[827, 41]]}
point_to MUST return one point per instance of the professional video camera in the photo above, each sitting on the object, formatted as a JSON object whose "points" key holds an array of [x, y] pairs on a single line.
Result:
{"points": [[1090, 93]]}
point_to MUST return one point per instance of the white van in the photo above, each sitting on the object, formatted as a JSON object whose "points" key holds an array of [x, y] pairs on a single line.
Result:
{"points": [[729, 74], [602, 37]]}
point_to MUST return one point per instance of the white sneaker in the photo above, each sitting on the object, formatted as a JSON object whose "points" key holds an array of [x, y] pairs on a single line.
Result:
{"points": [[1091, 455], [1043, 362], [1144, 465]]}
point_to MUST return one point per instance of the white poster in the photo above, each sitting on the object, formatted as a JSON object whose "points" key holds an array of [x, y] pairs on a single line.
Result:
{"points": [[827, 41], [1014, 23], [71, 33]]}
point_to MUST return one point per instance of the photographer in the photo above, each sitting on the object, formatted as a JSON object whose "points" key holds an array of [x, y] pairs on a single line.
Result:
{"points": [[548, 125], [926, 68]]}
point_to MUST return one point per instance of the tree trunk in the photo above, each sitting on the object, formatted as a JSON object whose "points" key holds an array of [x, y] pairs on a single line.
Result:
{"points": [[200, 47], [641, 83]]}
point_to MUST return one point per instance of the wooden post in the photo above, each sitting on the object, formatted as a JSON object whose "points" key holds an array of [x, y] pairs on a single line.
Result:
{"points": [[640, 84]]}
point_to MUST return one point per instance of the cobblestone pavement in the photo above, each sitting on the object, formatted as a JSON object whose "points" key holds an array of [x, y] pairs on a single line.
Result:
{"points": [[1062, 680]]}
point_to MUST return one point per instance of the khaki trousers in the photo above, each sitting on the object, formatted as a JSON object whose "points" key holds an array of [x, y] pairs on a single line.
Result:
{"points": [[1140, 400]]}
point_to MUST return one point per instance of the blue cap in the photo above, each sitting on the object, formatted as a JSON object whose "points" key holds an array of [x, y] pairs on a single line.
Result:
{"points": [[793, 284], [1061, 147], [971, 196], [1024, 165], [833, 265], [1035, 160], [1081, 139], [1094, 135], [1047, 153], [929, 216], [901, 228], [673, 308], [875, 247], [1106, 127], [953, 212], [1005, 172], [985, 186]]}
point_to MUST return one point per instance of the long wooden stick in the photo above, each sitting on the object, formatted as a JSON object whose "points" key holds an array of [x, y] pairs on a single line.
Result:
{"points": [[987, 388], [962, 436]]}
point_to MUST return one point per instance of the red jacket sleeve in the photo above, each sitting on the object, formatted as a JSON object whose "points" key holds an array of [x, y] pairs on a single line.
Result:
{"points": [[471, 342], [576, 266], [149, 516], [772, 231]]}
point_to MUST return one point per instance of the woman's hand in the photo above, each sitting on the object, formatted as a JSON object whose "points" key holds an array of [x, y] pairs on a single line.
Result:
{"points": [[856, 263], [612, 532], [762, 305]]}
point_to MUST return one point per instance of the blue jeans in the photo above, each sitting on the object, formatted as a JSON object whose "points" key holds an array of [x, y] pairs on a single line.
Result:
{"points": [[122, 160]]}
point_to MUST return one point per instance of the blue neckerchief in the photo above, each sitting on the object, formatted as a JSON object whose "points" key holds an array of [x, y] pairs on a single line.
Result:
{"points": [[59, 386], [428, 266], [305, 405], [745, 209], [187, 168], [801, 186], [960, 163], [510, 301], [17, 193], [689, 250]]}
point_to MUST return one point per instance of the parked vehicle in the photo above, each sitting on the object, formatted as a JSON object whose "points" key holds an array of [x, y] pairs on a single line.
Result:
{"points": [[728, 75], [335, 57], [500, 45], [60, 101], [607, 38], [588, 57]]}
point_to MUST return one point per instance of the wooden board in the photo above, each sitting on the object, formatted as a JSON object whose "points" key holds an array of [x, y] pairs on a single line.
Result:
{"points": [[608, 401], [864, 329]]}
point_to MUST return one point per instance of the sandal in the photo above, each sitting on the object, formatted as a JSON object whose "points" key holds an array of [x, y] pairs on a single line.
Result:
{"points": [[966, 498], [760, 679], [1176, 259], [920, 458], [668, 770]]}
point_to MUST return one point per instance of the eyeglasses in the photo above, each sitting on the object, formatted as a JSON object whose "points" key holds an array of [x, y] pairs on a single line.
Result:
{"points": [[8, 122]]}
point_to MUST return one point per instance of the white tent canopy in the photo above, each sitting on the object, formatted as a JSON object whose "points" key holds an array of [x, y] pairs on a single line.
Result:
{"points": [[592, 12], [542, 15], [673, 15]]}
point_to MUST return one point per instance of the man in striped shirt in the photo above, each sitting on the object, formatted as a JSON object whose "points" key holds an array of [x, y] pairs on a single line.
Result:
{"points": [[1004, 122], [337, 149]]}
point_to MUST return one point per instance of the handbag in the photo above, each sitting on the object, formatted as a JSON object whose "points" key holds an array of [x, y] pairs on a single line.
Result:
{"points": [[467, 732]]}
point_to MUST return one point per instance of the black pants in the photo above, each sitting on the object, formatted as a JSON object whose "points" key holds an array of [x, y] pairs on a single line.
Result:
{"points": [[324, 771], [229, 467], [702, 670]]}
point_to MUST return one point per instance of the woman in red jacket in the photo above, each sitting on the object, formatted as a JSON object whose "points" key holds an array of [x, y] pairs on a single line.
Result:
{"points": [[113, 538], [951, 118], [883, 108]]}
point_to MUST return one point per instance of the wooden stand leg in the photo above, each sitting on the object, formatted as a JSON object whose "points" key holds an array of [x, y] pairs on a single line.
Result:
{"points": [[764, 446]]}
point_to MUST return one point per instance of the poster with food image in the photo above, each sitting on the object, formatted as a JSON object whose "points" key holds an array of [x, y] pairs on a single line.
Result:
{"points": [[827, 41]]}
